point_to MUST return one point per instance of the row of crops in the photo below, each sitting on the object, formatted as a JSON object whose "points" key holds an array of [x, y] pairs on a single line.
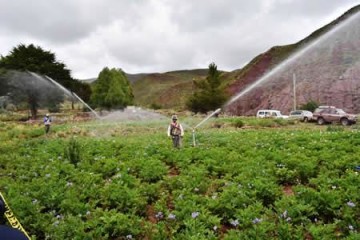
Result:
{"points": [[125, 181]]}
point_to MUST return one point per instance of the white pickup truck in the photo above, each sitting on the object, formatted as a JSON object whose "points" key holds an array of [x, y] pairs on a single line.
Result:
{"points": [[265, 113]]}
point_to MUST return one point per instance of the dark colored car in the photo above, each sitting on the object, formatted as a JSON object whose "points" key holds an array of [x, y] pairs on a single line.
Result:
{"points": [[330, 114]]}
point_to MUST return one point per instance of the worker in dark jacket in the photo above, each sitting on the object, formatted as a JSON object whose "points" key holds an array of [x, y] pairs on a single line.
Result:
{"points": [[175, 131]]}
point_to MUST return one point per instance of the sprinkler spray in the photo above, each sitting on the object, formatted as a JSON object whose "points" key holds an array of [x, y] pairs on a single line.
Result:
{"points": [[198, 125]]}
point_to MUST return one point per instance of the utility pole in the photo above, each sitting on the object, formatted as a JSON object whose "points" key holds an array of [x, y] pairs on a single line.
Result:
{"points": [[294, 89]]}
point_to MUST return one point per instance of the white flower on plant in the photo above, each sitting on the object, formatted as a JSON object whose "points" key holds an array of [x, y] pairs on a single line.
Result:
{"points": [[288, 219], [195, 214], [129, 236], [34, 201], [172, 216], [256, 220], [351, 227], [284, 214], [88, 212], [196, 189], [159, 215], [215, 228], [48, 175], [351, 204], [69, 184], [235, 222]]}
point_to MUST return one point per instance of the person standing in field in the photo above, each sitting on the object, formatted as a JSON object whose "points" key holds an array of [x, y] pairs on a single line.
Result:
{"points": [[175, 131], [47, 123]]}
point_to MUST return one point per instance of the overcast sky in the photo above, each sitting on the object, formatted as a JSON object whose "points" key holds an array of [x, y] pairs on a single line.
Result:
{"points": [[160, 35]]}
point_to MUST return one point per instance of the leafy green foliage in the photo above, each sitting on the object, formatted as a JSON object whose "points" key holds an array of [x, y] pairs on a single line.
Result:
{"points": [[239, 123], [72, 152], [230, 186], [35, 59], [112, 90], [310, 106], [210, 94]]}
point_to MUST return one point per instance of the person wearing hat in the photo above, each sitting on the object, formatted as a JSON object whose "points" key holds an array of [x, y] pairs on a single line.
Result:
{"points": [[47, 123], [175, 131]]}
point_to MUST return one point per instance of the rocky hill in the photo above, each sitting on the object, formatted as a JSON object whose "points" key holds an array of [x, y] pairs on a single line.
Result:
{"points": [[325, 67]]}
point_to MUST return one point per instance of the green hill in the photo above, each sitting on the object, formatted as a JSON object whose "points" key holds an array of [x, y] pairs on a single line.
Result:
{"points": [[166, 90]]}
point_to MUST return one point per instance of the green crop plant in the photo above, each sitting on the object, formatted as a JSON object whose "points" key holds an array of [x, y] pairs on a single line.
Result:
{"points": [[125, 181]]}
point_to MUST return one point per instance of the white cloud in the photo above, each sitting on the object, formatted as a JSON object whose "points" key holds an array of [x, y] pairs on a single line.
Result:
{"points": [[160, 35]]}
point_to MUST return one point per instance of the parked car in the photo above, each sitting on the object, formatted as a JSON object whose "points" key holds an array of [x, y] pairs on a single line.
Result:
{"points": [[330, 114], [301, 115], [270, 113]]}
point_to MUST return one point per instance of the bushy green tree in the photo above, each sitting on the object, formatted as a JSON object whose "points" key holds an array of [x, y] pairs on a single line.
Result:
{"points": [[112, 90], [310, 106], [35, 59], [210, 94]]}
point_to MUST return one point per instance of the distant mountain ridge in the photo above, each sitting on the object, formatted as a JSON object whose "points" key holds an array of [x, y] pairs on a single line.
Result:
{"points": [[326, 74], [163, 90]]}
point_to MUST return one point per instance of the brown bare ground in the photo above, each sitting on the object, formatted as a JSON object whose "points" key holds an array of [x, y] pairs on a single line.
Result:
{"points": [[288, 191], [150, 213]]}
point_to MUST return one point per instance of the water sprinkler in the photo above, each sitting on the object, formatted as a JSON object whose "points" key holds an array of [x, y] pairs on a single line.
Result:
{"points": [[66, 91], [215, 112], [82, 101], [204, 120]]}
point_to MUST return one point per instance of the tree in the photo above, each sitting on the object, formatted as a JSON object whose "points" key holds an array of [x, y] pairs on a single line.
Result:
{"points": [[36, 91], [112, 90], [83, 90], [34, 59], [210, 94], [310, 106]]}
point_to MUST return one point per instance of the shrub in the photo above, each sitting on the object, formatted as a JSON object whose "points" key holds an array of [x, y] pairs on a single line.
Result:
{"points": [[72, 152], [310, 106], [238, 123], [155, 106]]}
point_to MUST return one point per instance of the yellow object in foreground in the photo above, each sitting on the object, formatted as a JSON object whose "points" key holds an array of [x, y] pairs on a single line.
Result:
{"points": [[14, 223]]}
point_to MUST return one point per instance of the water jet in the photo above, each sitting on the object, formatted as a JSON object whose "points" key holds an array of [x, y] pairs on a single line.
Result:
{"points": [[203, 121], [318, 64]]}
